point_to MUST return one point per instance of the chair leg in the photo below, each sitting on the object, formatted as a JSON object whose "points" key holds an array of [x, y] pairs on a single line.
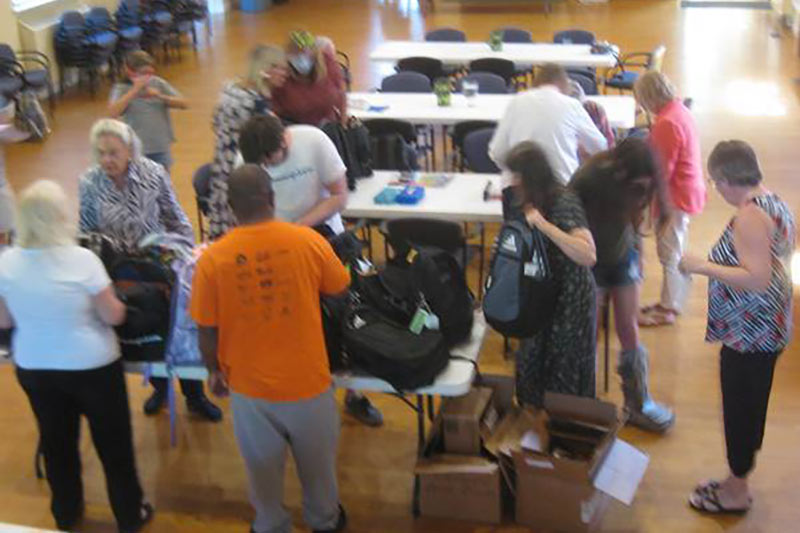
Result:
{"points": [[482, 258]]}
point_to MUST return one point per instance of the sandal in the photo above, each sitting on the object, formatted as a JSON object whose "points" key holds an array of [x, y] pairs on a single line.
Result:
{"points": [[657, 318], [706, 500]]}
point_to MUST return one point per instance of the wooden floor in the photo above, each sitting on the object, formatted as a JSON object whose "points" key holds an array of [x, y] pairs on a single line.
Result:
{"points": [[742, 79]]}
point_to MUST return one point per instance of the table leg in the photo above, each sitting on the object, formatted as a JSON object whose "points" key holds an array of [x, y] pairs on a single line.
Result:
{"points": [[420, 450], [430, 408], [606, 327]]}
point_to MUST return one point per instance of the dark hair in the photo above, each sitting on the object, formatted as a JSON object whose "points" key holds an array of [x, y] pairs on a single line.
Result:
{"points": [[624, 183], [260, 137], [551, 74], [250, 193], [539, 184], [735, 163]]}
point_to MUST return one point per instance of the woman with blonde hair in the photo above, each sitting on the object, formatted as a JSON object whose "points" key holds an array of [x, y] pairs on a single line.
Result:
{"points": [[60, 301], [239, 101], [676, 141], [313, 91], [127, 197]]}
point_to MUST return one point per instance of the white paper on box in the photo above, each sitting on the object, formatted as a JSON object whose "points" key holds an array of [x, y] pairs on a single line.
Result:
{"points": [[622, 471], [531, 441]]}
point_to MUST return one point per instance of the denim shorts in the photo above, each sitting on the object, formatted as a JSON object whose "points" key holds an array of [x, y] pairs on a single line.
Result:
{"points": [[626, 272]]}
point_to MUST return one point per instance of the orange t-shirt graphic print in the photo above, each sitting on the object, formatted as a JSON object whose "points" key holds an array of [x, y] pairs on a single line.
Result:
{"points": [[260, 286]]}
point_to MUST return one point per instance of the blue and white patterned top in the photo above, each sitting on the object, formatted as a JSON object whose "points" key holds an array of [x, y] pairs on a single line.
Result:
{"points": [[750, 321], [146, 205]]}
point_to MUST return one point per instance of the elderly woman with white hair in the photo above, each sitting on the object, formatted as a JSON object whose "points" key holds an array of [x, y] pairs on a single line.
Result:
{"points": [[60, 301], [128, 197], [676, 141]]}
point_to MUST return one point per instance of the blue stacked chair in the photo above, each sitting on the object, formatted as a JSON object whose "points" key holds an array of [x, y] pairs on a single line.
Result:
{"points": [[79, 46]]}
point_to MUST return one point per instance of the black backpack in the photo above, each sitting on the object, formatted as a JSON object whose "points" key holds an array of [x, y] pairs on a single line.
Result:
{"points": [[433, 279], [348, 249], [145, 286], [352, 143], [390, 351], [520, 292], [390, 151]]}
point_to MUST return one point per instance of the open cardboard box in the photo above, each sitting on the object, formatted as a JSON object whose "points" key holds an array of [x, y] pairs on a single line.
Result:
{"points": [[461, 486], [560, 491]]}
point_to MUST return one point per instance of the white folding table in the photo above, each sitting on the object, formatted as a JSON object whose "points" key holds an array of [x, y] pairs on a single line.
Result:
{"points": [[522, 54], [422, 109], [461, 200], [454, 380]]}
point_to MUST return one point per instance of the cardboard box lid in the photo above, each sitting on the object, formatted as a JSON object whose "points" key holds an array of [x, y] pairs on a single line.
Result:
{"points": [[454, 464], [469, 406], [580, 408], [509, 433]]}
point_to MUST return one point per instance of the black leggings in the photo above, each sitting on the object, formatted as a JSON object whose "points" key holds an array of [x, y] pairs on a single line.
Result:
{"points": [[746, 380], [58, 399]]}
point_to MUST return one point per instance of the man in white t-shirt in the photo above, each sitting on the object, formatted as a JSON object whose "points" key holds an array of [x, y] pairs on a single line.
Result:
{"points": [[309, 180], [547, 116]]}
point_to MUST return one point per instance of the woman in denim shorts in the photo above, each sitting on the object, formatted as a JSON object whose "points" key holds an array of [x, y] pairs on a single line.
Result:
{"points": [[616, 188]]}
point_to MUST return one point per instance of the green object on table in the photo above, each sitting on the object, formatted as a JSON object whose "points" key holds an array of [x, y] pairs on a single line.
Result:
{"points": [[442, 89], [496, 40]]}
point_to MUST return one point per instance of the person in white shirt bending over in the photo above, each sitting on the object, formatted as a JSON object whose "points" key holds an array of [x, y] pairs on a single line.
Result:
{"points": [[558, 124]]}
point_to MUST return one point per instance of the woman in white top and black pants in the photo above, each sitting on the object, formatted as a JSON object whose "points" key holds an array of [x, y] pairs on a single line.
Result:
{"points": [[60, 301]]}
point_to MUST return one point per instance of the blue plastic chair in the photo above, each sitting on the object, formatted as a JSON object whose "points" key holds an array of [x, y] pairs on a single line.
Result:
{"points": [[449, 35], [488, 83], [574, 37], [406, 82], [476, 151], [516, 35]]}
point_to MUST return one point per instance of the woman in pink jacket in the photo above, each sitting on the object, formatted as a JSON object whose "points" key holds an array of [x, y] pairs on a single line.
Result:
{"points": [[675, 140]]}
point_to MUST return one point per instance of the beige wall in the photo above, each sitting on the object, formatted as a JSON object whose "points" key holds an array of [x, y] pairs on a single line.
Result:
{"points": [[8, 24]]}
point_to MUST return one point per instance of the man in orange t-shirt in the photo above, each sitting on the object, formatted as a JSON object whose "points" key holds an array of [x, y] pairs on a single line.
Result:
{"points": [[255, 297]]}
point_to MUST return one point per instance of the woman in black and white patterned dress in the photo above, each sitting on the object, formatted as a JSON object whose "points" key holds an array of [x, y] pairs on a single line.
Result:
{"points": [[127, 197], [561, 357], [749, 312], [239, 101]]}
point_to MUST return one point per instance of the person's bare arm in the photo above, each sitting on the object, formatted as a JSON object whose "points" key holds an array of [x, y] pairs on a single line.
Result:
{"points": [[108, 307], [117, 107], [752, 232], [208, 338], [577, 244], [327, 207], [6, 320], [176, 102]]}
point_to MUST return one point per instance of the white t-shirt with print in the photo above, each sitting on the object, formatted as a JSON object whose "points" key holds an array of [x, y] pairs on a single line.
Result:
{"points": [[49, 294], [301, 180]]}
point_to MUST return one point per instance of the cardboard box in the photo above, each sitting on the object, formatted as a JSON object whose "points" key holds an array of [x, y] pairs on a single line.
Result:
{"points": [[460, 487], [571, 453], [461, 420], [466, 487]]}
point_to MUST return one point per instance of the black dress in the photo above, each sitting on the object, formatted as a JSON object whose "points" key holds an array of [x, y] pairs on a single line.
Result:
{"points": [[561, 358]]}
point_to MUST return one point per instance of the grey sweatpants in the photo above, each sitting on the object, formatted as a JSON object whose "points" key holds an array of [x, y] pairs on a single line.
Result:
{"points": [[264, 430]]}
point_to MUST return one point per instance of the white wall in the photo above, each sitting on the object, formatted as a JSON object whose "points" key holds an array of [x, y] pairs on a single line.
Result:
{"points": [[8, 25]]}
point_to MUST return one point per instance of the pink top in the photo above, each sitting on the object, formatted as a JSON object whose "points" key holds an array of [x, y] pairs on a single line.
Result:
{"points": [[675, 139]]}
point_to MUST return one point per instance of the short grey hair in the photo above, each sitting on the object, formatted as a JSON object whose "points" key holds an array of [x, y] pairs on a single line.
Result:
{"points": [[653, 90], [120, 130], [735, 163], [44, 217]]}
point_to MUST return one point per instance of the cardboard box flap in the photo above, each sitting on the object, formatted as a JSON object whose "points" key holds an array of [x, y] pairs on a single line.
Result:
{"points": [[470, 406], [579, 408], [622, 471], [455, 464], [508, 435]]}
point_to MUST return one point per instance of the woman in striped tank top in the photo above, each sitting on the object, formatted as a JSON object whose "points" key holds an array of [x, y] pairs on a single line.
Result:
{"points": [[749, 311]]}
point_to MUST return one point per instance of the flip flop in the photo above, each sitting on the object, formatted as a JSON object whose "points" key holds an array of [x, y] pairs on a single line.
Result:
{"points": [[707, 501], [705, 485], [657, 318]]}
